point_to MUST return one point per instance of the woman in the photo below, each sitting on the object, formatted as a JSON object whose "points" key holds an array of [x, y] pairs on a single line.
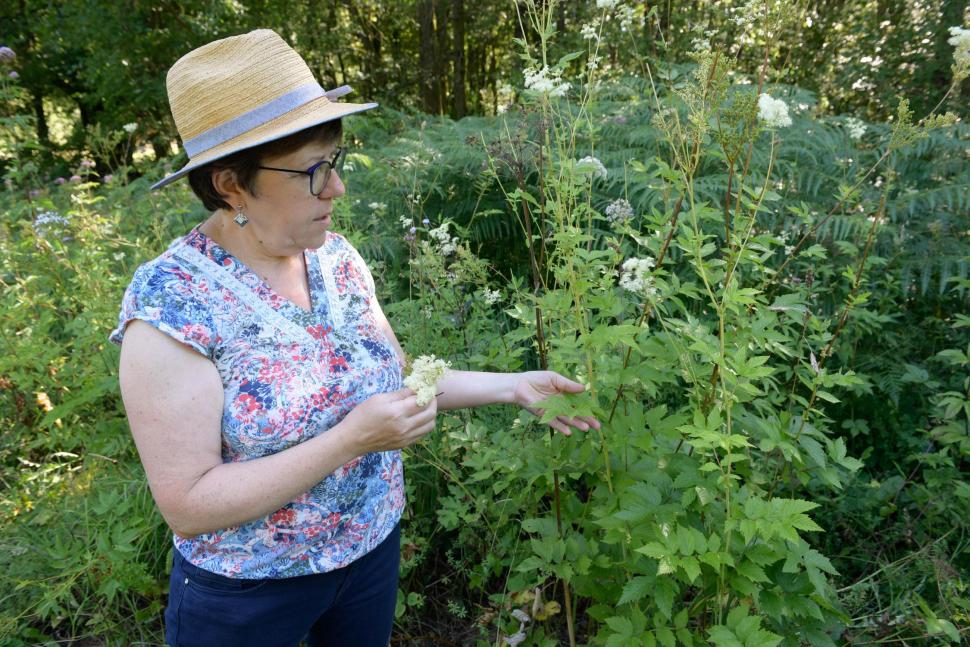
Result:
{"points": [[261, 379]]}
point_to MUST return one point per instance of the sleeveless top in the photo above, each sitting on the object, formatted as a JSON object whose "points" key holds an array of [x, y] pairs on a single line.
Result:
{"points": [[288, 375]]}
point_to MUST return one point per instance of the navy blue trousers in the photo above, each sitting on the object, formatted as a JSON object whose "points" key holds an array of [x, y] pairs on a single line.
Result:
{"points": [[353, 605]]}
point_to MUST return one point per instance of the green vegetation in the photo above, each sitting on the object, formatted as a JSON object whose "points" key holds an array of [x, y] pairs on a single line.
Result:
{"points": [[772, 320]]}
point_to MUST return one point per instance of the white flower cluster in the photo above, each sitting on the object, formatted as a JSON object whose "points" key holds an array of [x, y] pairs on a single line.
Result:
{"points": [[593, 166], [406, 223], [47, 221], [379, 207], [491, 296], [423, 380], [636, 276], [130, 128], [855, 127], [447, 244], [625, 15], [773, 112], [545, 81], [960, 39], [620, 210], [589, 31], [607, 4]]}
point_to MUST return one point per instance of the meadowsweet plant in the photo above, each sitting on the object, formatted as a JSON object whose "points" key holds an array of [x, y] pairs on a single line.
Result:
{"points": [[689, 517]]}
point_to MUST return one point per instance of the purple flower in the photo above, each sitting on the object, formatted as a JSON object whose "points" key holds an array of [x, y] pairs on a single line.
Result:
{"points": [[425, 222], [87, 164], [13, 74], [412, 230], [409, 237], [75, 179], [33, 193], [59, 180], [107, 178], [6, 54]]}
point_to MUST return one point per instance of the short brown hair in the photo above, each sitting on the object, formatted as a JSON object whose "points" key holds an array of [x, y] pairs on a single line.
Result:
{"points": [[245, 164]]}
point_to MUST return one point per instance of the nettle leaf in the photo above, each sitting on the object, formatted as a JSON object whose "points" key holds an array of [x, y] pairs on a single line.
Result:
{"points": [[663, 596], [636, 589]]}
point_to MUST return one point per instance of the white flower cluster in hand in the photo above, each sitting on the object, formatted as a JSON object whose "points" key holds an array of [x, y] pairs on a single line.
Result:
{"points": [[546, 81], [636, 276], [593, 166], [446, 243], [855, 127], [960, 39], [774, 112], [423, 380], [130, 128], [619, 211], [491, 296]]}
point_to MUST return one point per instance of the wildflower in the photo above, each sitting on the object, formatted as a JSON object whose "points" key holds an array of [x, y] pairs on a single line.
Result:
{"points": [[130, 128], [635, 276], [380, 207], [406, 222], [7, 54], [412, 230], [789, 249], [108, 178], [855, 127], [44, 401], [119, 256], [606, 4], [625, 15], [960, 39], [13, 75], [426, 371], [425, 222], [545, 81], [593, 63], [46, 221], [619, 211], [592, 166], [774, 112], [700, 44], [59, 180], [33, 193], [87, 164], [408, 238], [446, 243], [75, 179], [589, 31], [491, 296]]}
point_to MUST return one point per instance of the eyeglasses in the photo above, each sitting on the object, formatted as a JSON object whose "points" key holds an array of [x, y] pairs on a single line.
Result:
{"points": [[319, 173]]}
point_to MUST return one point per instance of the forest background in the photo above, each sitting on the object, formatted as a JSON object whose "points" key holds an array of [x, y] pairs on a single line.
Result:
{"points": [[792, 338]]}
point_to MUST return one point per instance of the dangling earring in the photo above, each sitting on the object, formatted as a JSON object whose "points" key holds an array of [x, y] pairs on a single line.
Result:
{"points": [[240, 218]]}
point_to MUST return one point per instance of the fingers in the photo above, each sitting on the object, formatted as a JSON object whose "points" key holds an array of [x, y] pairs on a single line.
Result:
{"points": [[565, 384]]}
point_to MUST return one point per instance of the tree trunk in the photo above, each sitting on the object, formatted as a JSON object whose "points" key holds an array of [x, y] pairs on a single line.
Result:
{"points": [[43, 134], [441, 50], [426, 56], [459, 106]]}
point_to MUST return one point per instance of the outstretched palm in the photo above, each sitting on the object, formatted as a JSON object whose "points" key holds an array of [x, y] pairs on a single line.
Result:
{"points": [[535, 386]]}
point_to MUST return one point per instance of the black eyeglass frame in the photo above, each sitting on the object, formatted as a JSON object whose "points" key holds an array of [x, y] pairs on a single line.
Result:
{"points": [[331, 165]]}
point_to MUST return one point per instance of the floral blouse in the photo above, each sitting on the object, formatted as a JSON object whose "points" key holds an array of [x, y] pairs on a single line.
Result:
{"points": [[288, 375]]}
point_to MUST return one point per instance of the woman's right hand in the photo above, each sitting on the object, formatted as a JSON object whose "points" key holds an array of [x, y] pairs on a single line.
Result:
{"points": [[390, 421]]}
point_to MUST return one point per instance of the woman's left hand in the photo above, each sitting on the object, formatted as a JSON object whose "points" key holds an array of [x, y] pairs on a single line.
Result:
{"points": [[533, 386]]}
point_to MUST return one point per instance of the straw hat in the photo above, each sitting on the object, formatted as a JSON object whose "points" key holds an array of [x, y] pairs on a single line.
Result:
{"points": [[243, 91]]}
